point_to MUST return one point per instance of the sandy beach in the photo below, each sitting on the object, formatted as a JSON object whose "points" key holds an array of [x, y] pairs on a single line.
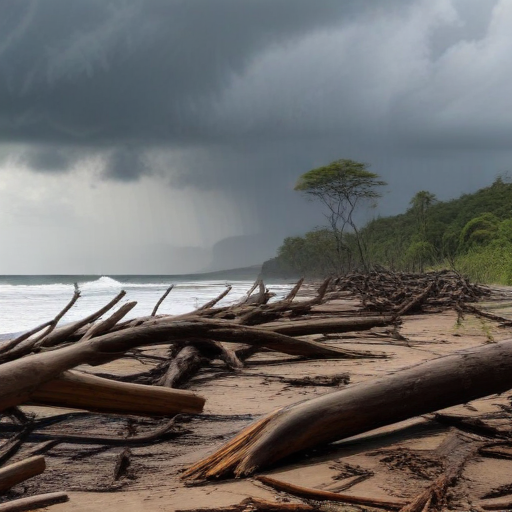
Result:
{"points": [[397, 460]]}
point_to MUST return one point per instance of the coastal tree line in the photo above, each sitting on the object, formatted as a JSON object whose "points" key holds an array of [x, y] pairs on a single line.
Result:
{"points": [[471, 234]]}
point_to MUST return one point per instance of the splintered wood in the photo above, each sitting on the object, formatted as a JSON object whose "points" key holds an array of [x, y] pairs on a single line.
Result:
{"points": [[135, 424]]}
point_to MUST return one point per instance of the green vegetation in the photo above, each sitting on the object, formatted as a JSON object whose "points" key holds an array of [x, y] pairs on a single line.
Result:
{"points": [[341, 187], [471, 234]]}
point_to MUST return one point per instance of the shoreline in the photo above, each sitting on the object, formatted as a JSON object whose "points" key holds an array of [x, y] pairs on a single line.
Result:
{"points": [[155, 483]]}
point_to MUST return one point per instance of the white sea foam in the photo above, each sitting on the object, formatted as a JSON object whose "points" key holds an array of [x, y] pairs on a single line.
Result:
{"points": [[29, 301]]}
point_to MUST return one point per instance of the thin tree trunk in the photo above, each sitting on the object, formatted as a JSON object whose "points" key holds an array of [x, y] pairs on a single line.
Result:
{"points": [[318, 495]]}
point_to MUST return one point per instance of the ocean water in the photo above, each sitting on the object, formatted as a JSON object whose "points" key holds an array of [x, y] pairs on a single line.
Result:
{"points": [[28, 301]]}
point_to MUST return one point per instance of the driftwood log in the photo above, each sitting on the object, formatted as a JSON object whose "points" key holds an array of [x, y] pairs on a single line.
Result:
{"points": [[82, 391], [318, 495], [37, 368], [424, 388], [34, 502], [20, 471], [20, 379], [327, 325]]}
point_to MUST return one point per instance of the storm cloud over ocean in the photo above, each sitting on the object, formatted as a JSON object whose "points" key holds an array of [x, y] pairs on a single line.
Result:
{"points": [[165, 136]]}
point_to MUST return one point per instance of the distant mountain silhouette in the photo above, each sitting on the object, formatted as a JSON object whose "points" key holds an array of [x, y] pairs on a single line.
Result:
{"points": [[243, 251]]}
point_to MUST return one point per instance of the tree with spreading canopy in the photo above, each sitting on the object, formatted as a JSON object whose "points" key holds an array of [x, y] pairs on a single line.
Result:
{"points": [[342, 186]]}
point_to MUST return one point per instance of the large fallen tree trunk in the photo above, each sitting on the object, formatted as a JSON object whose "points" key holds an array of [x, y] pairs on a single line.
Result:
{"points": [[281, 342], [327, 325], [80, 391], [424, 388], [20, 379]]}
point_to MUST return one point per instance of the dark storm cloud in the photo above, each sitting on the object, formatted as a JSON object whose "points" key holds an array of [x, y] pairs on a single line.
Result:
{"points": [[98, 72], [48, 159], [232, 100], [244, 95], [126, 164]]}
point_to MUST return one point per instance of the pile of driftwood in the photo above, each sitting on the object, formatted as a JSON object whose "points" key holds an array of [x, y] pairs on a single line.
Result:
{"points": [[387, 291], [39, 368]]}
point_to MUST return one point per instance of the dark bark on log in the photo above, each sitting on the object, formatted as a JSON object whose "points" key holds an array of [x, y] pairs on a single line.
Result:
{"points": [[168, 331], [327, 325], [216, 350], [34, 502], [20, 378], [182, 368], [212, 303], [123, 461], [81, 391], [192, 357], [142, 440], [161, 299], [293, 292], [25, 344], [105, 326], [430, 386], [317, 495], [60, 335], [283, 343], [13, 474], [268, 313]]}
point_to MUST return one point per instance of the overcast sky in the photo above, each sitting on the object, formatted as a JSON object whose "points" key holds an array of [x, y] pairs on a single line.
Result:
{"points": [[137, 135]]}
